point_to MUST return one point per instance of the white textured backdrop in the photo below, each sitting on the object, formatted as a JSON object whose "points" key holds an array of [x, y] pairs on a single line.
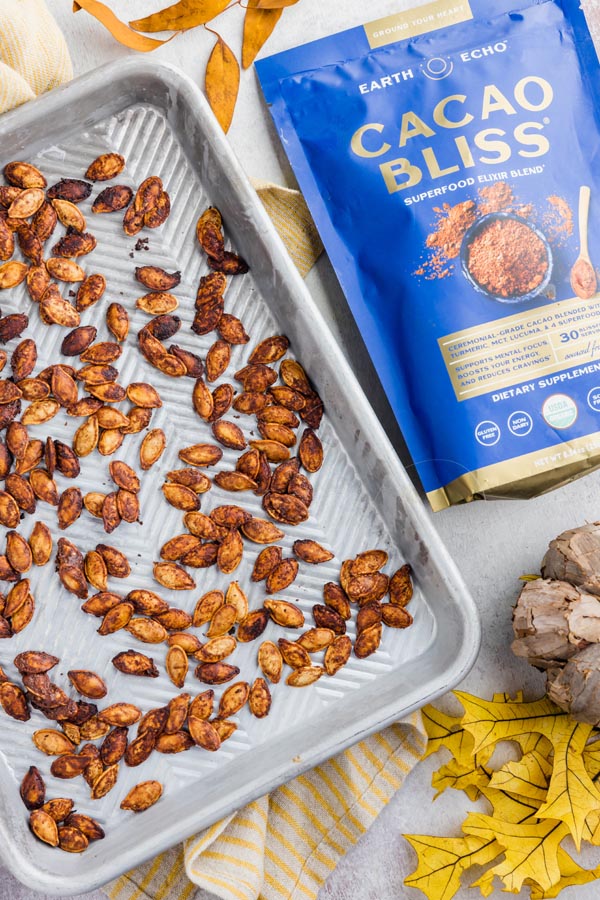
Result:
{"points": [[492, 543]]}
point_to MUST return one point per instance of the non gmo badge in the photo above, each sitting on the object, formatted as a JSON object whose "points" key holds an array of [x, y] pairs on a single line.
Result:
{"points": [[560, 411], [520, 423], [487, 434]]}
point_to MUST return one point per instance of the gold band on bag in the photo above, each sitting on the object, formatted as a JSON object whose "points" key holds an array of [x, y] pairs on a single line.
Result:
{"points": [[412, 22], [523, 478]]}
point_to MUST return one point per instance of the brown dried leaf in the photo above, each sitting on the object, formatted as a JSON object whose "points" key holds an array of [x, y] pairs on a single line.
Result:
{"points": [[258, 27], [121, 32], [222, 83], [181, 15]]}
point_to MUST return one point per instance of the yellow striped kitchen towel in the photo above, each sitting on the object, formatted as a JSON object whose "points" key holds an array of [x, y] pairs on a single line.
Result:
{"points": [[284, 846], [33, 53]]}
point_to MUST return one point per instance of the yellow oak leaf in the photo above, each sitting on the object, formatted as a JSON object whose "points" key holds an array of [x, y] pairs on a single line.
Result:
{"points": [[530, 849], [530, 742], [591, 831], [506, 698], [510, 807], [469, 778], [485, 882], [572, 795], [528, 776], [536, 801], [446, 731], [591, 759], [442, 861], [571, 873], [490, 722]]}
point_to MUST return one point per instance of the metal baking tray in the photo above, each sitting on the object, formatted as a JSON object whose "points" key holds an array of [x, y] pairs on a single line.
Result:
{"points": [[157, 118]]}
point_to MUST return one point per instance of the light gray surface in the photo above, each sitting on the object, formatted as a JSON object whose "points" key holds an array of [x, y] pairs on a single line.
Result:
{"points": [[492, 543]]}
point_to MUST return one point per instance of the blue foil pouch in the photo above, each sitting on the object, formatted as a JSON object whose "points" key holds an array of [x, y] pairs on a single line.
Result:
{"points": [[450, 157]]}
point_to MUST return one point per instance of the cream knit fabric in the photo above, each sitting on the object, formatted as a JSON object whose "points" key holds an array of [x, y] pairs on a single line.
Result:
{"points": [[33, 53]]}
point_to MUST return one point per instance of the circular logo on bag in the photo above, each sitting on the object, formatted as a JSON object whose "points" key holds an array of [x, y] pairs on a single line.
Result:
{"points": [[437, 68], [560, 411], [520, 423], [487, 434]]}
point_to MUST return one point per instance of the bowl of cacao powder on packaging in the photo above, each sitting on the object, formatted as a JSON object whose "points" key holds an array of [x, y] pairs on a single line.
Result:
{"points": [[506, 258]]}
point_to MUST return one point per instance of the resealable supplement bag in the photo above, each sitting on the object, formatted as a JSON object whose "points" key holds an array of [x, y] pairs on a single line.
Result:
{"points": [[451, 158]]}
